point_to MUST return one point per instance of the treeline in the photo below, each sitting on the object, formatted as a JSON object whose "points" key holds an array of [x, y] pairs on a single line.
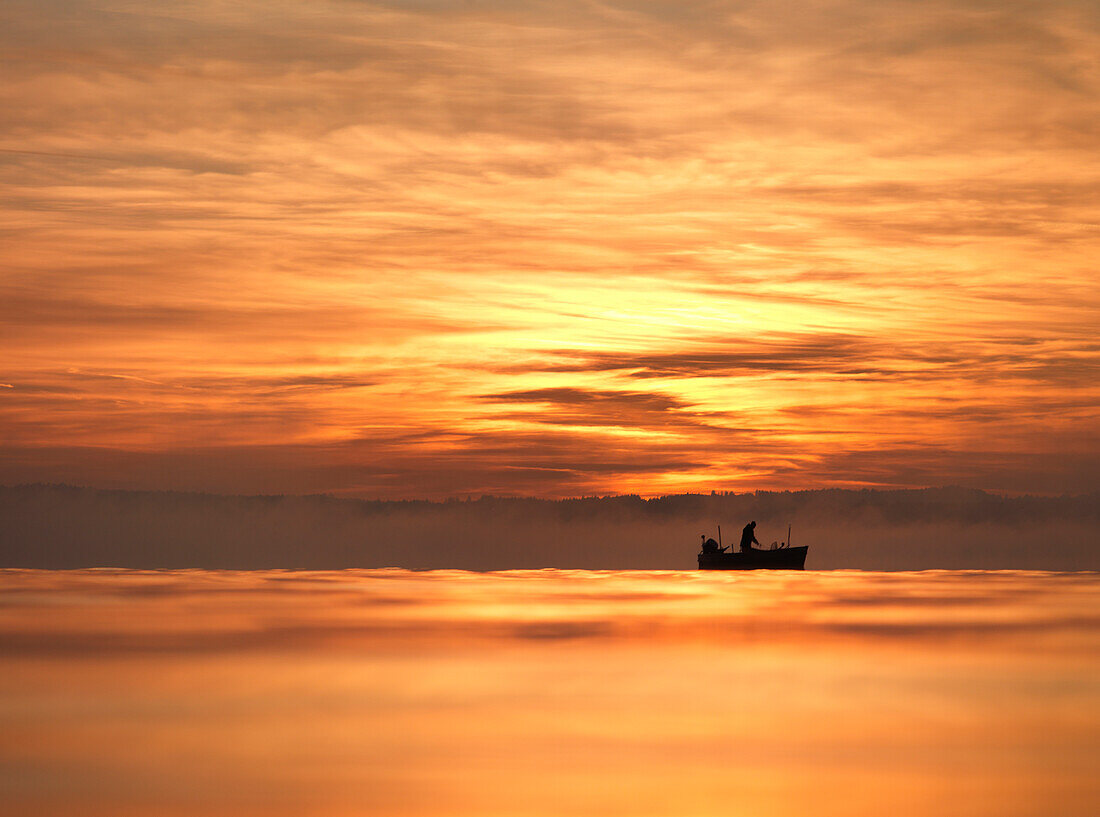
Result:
{"points": [[56, 526]]}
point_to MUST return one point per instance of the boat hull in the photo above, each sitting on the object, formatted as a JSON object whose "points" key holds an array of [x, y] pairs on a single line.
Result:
{"points": [[779, 559]]}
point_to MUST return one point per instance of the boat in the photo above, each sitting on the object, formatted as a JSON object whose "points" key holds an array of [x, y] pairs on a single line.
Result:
{"points": [[781, 556], [784, 558]]}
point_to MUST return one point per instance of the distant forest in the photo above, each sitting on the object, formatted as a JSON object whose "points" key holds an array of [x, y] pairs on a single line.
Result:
{"points": [[59, 526]]}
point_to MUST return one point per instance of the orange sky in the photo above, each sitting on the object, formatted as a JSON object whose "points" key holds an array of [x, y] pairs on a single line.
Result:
{"points": [[431, 248]]}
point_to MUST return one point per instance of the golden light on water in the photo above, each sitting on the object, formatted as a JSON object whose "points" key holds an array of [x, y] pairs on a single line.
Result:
{"points": [[548, 692]]}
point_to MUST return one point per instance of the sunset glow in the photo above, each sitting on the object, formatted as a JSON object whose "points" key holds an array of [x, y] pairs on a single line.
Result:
{"points": [[435, 248], [446, 693]]}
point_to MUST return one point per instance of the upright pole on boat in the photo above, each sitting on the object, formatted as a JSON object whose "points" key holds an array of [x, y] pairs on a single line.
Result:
{"points": [[788, 535], [719, 537]]}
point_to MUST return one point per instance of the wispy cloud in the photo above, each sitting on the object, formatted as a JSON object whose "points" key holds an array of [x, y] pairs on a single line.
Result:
{"points": [[813, 230], [848, 356]]}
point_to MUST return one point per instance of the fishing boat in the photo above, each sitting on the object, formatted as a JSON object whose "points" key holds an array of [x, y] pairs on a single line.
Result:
{"points": [[781, 556]]}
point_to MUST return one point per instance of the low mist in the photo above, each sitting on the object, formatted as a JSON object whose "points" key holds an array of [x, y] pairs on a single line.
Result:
{"points": [[47, 526]]}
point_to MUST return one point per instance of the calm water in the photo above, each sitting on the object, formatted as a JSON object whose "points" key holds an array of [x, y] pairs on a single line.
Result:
{"points": [[385, 692]]}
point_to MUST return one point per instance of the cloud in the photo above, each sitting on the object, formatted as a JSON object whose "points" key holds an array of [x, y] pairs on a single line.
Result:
{"points": [[1058, 463], [848, 356], [571, 406], [809, 352], [451, 240]]}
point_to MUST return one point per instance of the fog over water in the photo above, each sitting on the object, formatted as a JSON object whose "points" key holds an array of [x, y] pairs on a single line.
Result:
{"points": [[642, 693], [949, 528]]}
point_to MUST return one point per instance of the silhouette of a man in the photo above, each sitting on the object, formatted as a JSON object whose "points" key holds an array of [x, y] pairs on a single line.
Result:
{"points": [[748, 537], [709, 545]]}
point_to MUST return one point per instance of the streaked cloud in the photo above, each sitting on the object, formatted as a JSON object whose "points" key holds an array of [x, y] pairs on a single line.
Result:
{"points": [[422, 248]]}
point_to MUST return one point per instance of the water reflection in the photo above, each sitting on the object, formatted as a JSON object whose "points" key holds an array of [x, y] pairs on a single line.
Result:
{"points": [[548, 692]]}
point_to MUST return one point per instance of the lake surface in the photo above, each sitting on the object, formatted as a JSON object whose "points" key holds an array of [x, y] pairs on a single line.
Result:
{"points": [[387, 692]]}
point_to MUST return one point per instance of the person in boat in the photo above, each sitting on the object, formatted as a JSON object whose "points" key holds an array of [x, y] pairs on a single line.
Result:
{"points": [[748, 537], [709, 545]]}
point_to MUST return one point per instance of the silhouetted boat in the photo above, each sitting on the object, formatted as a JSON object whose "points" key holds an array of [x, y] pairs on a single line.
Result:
{"points": [[784, 558]]}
